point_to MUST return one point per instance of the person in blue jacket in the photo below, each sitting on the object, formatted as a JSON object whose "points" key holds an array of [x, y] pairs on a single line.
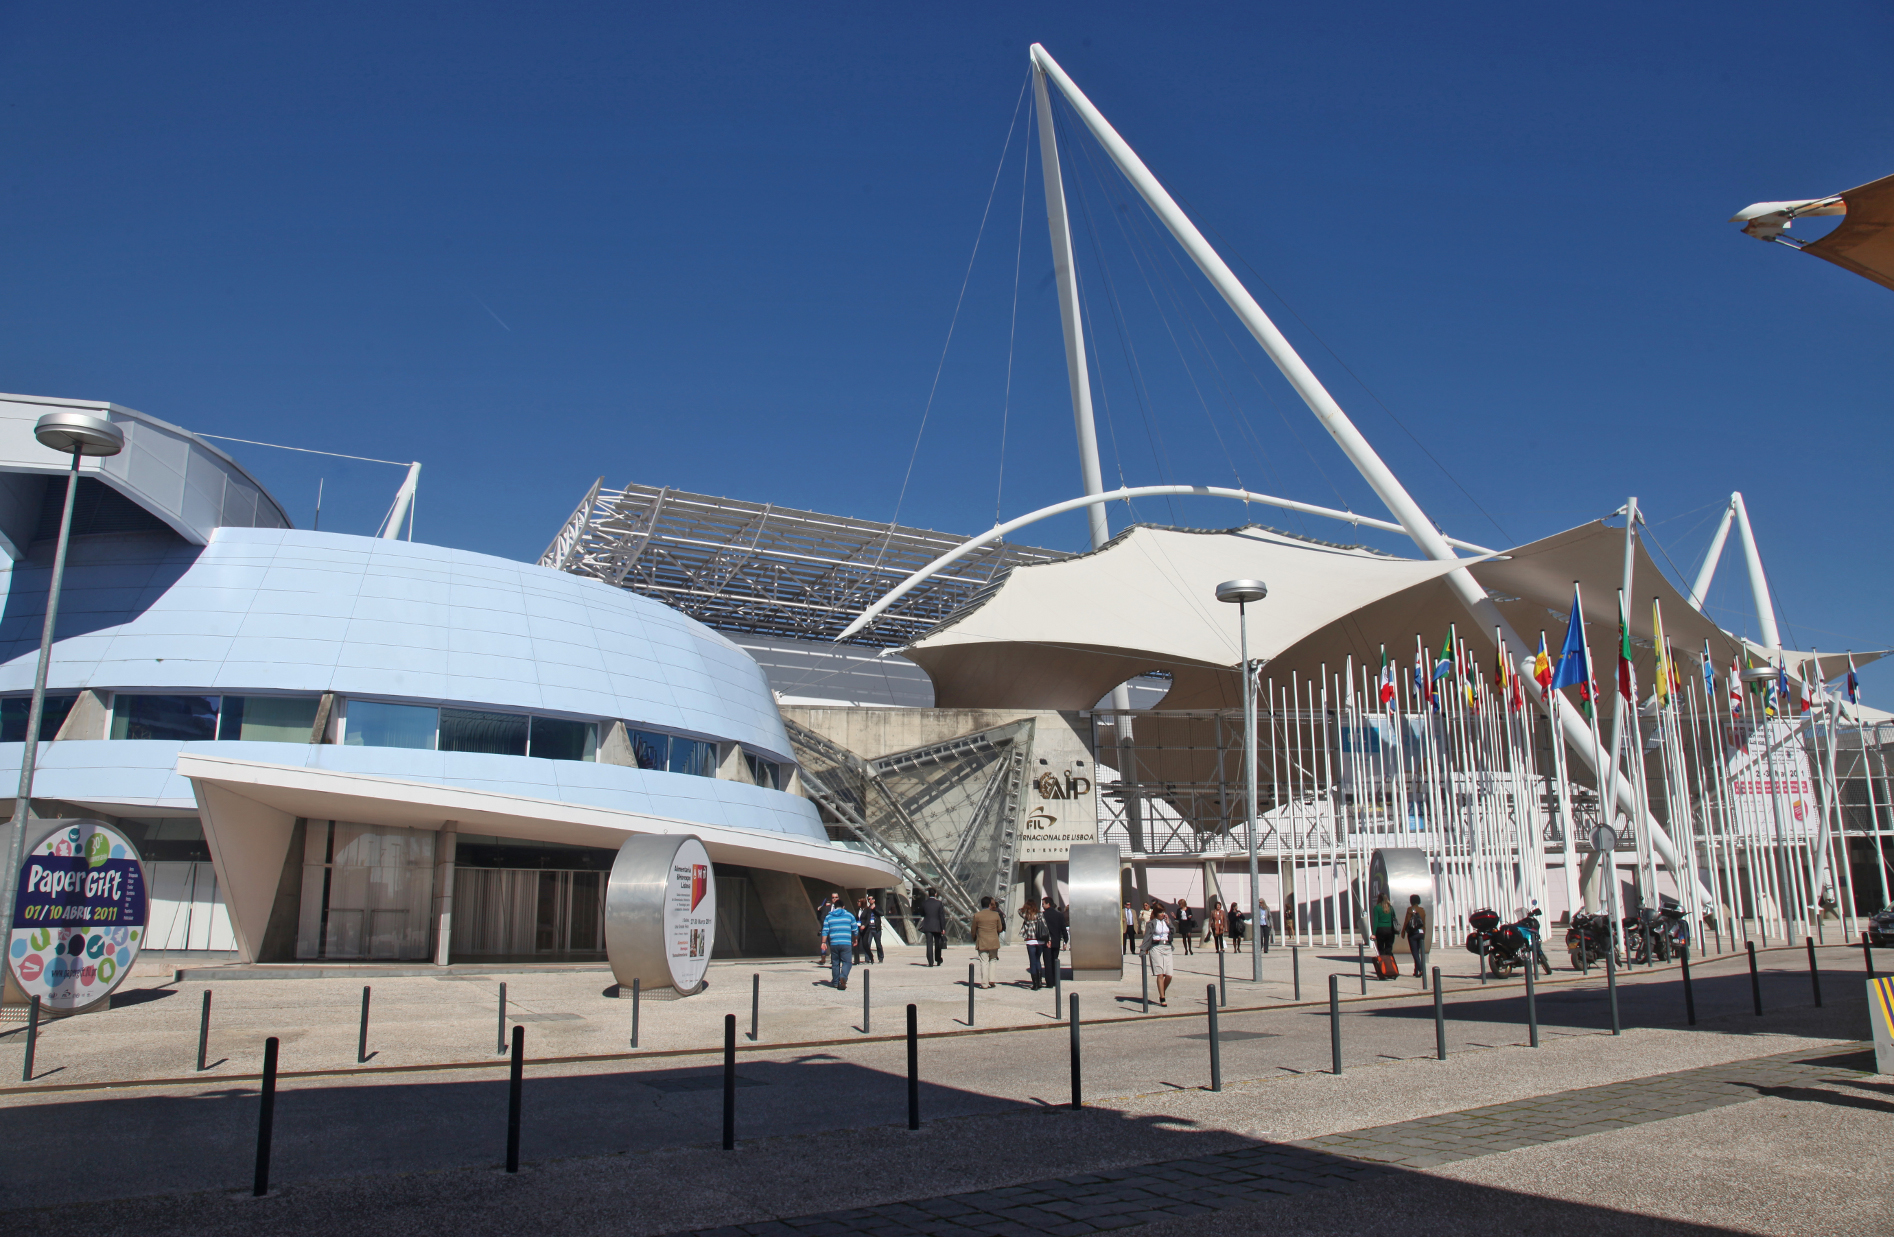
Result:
{"points": [[838, 930]]}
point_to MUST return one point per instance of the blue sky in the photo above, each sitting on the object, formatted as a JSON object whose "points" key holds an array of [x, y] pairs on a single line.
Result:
{"points": [[719, 247]]}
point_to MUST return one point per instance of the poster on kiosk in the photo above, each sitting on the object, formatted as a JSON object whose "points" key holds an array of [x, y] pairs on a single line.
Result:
{"points": [[79, 917], [661, 913]]}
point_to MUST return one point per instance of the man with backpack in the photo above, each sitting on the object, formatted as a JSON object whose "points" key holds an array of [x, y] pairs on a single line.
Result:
{"points": [[1414, 928], [838, 932]]}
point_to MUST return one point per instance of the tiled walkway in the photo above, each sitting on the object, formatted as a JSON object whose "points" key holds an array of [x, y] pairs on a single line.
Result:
{"points": [[1068, 1206]]}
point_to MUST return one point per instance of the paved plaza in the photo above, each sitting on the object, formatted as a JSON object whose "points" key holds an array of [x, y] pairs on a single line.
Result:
{"points": [[627, 1142]]}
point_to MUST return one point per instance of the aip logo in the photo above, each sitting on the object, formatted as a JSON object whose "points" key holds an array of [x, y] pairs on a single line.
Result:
{"points": [[700, 883]]}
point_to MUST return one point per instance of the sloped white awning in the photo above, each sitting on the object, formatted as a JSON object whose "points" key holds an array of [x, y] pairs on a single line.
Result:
{"points": [[1060, 635]]}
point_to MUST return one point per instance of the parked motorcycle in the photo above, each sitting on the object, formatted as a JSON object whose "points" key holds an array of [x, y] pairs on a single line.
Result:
{"points": [[1588, 940], [1656, 935], [1510, 946]]}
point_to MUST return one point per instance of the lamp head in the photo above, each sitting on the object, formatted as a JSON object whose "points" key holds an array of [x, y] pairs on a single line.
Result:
{"points": [[1242, 591], [83, 432]]}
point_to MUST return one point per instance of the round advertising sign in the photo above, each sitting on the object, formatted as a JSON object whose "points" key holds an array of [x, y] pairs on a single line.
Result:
{"points": [[79, 917], [661, 912]]}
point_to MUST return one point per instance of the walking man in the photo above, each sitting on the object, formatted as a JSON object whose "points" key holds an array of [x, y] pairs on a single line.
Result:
{"points": [[1032, 931], [934, 928], [1057, 929], [1236, 922], [838, 929], [987, 924], [1264, 927], [869, 937], [1414, 928], [1186, 924], [1157, 947], [1131, 929]]}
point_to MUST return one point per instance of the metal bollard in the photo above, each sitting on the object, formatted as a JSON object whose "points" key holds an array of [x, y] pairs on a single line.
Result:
{"points": [[265, 1118], [634, 1012], [1690, 998], [1867, 954], [1216, 1050], [515, 1092], [361, 1041], [1078, 1094], [502, 1031], [756, 1002], [1532, 1003], [914, 1069], [1755, 980], [32, 1038], [1361, 964], [866, 977], [1815, 974], [729, 1082], [1144, 973], [1295, 968], [1718, 930], [1482, 961], [1223, 983], [1058, 992], [1335, 1021], [1611, 986], [203, 1033], [1440, 1021]]}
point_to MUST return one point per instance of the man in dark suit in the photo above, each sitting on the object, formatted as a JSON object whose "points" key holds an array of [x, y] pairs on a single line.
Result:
{"points": [[1057, 929], [934, 928]]}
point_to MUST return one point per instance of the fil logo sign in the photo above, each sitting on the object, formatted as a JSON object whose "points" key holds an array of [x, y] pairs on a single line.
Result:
{"points": [[700, 883]]}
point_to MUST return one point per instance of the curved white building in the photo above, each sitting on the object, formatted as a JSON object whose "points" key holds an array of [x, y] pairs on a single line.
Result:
{"points": [[370, 748]]}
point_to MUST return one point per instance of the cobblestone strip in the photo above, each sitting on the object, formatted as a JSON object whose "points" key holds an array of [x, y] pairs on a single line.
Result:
{"points": [[1120, 1198]]}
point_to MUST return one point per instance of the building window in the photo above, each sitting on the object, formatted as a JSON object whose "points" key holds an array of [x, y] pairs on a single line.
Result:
{"points": [[14, 709], [187, 718], [496, 734], [557, 739], [651, 748], [268, 719], [371, 723], [692, 757], [764, 772]]}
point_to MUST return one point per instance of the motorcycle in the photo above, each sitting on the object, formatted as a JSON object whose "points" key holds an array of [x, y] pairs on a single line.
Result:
{"points": [[1660, 935], [1588, 940], [1506, 948]]}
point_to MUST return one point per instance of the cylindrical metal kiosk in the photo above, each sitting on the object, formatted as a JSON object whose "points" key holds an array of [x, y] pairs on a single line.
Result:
{"points": [[1096, 920], [1400, 873], [661, 913]]}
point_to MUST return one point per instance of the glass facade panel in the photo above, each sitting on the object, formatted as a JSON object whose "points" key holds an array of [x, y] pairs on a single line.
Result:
{"points": [[371, 723], [651, 748], [367, 891], [470, 730], [556, 739], [268, 719], [13, 711], [764, 772], [693, 757], [189, 718]]}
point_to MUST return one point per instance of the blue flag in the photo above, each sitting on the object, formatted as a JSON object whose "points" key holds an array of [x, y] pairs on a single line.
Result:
{"points": [[1574, 665]]}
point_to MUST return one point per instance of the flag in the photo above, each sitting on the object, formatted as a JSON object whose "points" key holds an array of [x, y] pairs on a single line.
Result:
{"points": [[1854, 684], [1574, 660], [1663, 667], [1423, 687], [1627, 673], [1387, 678], [1736, 688], [1709, 675], [1542, 666], [1778, 701], [1444, 666]]}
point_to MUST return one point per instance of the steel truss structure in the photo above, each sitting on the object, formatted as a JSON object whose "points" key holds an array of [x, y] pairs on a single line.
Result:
{"points": [[760, 569], [946, 814]]}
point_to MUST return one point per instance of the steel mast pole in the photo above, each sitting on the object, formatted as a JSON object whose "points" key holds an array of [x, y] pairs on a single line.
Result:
{"points": [[82, 434], [1373, 469], [1249, 783]]}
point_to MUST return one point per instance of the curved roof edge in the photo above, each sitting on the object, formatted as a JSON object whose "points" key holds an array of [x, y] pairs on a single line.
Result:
{"points": [[193, 486]]}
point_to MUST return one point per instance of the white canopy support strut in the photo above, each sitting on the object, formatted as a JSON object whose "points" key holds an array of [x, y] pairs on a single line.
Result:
{"points": [[390, 529], [1373, 469], [1707, 572], [1758, 582]]}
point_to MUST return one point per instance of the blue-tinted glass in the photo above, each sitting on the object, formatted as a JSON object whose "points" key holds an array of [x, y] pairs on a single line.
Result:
{"points": [[14, 709], [690, 756], [764, 772], [188, 718], [557, 739], [373, 724], [651, 749], [471, 730]]}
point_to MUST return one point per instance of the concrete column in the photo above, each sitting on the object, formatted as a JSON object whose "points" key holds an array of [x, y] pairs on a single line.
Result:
{"points": [[444, 844]]}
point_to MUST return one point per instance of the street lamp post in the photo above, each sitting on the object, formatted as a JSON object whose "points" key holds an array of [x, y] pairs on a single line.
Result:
{"points": [[1242, 592], [81, 434]]}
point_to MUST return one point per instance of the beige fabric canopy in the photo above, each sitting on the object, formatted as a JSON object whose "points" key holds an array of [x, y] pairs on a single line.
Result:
{"points": [[1863, 242]]}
